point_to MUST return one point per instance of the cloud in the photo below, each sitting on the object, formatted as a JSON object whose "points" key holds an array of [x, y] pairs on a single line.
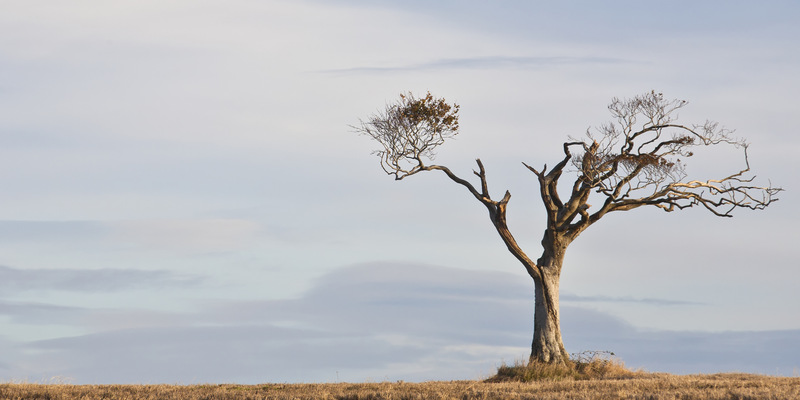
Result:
{"points": [[104, 318], [490, 62], [686, 352], [20, 231], [218, 354], [389, 298], [605, 21], [566, 297], [39, 313], [190, 235], [166, 112], [14, 280], [10, 352], [370, 321], [384, 321]]}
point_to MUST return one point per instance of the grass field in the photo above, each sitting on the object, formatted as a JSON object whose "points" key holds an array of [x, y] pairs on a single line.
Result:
{"points": [[643, 386]]}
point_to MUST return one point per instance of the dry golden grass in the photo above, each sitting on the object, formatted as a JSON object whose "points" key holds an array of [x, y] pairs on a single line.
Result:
{"points": [[642, 386], [584, 366]]}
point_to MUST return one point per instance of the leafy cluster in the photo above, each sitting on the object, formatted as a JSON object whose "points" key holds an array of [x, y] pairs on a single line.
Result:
{"points": [[411, 130]]}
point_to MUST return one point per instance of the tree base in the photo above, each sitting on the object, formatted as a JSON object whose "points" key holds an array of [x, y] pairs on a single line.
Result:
{"points": [[574, 369]]}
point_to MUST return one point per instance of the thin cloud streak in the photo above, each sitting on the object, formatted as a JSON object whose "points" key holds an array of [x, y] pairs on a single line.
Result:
{"points": [[240, 353], [15, 280], [35, 313], [492, 62], [12, 231], [566, 297]]}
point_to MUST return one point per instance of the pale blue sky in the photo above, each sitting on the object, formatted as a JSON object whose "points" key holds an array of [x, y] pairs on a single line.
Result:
{"points": [[184, 201]]}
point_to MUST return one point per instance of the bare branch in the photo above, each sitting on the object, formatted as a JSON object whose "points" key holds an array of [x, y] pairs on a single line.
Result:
{"points": [[648, 168], [497, 214], [482, 175]]}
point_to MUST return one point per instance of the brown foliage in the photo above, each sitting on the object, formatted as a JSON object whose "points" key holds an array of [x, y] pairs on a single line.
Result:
{"points": [[409, 131]]}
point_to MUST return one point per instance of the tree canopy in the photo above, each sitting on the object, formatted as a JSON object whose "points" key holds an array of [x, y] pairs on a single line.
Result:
{"points": [[637, 159]]}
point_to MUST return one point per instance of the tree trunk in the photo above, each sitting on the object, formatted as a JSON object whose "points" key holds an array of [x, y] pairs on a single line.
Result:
{"points": [[547, 345]]}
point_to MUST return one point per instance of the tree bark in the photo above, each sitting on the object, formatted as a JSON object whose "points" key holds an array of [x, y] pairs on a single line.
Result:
{"points": [[547, 345]]}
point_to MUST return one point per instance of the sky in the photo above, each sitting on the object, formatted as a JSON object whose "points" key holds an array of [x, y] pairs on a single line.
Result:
{"points": [[184, 199]]}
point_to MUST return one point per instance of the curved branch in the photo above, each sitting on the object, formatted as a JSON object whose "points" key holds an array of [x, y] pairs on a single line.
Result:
{"points": [[497, 214]]}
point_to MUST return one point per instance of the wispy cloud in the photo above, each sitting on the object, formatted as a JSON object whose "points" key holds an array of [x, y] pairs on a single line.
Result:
{"points": [[191, 235], [219, 354], [382, 321], [200, 235], [14, 280], [379, 320], [566, 297], [492, 62], [40, 313], [18, 231]]}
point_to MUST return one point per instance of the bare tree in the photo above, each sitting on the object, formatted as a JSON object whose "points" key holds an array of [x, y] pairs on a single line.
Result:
{"points": [[633, 161]]}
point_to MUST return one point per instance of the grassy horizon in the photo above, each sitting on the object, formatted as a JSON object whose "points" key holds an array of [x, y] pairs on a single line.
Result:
{"points": [[640, 385]]}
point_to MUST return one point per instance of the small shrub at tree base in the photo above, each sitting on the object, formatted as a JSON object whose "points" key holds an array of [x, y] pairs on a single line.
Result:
{"points": [[581, 366]]}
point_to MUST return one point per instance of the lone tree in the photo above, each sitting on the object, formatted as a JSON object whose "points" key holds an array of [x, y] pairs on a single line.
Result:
{"points": [[633, 161]]}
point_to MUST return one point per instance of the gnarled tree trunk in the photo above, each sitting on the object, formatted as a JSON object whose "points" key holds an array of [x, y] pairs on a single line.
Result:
{"points": [[547, 344]]}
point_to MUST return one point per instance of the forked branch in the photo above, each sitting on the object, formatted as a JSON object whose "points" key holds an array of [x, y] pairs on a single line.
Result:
{"points": [[409, 133]]}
